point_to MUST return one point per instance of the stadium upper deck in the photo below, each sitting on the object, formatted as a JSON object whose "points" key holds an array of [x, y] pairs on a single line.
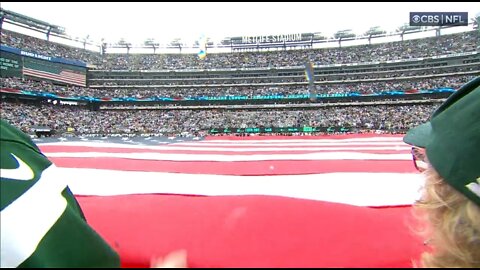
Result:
{"points": [[459, 43]]}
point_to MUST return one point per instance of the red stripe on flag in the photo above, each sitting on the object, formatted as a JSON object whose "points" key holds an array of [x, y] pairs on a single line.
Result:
{"points": [[270, 167], [253, 231]]}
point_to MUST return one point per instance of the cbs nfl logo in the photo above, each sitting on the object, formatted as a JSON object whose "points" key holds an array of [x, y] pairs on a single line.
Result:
{"points": [[438, 18]]}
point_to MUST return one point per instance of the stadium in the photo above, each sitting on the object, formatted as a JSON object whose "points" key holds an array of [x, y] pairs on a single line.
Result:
{"points": [[237, 142]]}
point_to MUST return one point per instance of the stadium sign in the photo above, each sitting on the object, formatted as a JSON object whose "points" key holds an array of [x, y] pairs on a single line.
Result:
{"points": [[36, 55], [272, 38]]}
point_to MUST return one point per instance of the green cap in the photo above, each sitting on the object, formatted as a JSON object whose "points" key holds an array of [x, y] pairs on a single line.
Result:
{"points": [[452, 140]]}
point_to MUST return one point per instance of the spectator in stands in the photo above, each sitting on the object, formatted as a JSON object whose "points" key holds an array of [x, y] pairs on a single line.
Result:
{"points": [[450, 204]]}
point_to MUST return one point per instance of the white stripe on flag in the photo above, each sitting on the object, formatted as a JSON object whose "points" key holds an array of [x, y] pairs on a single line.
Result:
{"points": [[362, 189]]}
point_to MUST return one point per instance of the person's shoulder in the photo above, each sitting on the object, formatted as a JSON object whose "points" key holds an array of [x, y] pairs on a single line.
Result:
{"points": [[9, 133]]}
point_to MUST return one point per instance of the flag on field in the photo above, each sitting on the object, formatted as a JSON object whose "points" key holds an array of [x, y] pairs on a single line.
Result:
{"points": [[230, 201]]}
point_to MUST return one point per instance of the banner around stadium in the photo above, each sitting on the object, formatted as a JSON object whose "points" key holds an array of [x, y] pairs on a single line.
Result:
{"points": [[331, 129], [173, 100]]}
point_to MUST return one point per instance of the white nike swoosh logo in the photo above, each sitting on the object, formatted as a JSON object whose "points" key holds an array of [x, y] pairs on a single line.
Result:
{"points": [[23, 172], [475, 187]]}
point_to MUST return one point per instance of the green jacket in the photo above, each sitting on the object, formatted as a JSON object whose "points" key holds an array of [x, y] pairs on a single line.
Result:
{"points": [[42, 224]]}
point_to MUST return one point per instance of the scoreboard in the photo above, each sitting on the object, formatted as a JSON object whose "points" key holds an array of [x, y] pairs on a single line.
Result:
{"points": [[10, 64]]}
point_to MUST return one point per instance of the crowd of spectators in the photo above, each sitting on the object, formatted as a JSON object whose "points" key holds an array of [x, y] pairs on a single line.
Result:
{"points": [[364, 88], [106, 81], [82, 121], [401, 50], [408, 49], [47, 48]]}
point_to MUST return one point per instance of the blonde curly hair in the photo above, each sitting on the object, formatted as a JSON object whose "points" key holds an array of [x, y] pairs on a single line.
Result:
{"points": [[450, 223]]}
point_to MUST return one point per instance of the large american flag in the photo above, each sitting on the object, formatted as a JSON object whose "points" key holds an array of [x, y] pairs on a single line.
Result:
{"points": [[64, 75], [270, 201]]}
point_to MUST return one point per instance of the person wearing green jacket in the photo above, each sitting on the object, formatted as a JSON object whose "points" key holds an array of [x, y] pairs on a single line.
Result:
{"points": [[42, 224]]}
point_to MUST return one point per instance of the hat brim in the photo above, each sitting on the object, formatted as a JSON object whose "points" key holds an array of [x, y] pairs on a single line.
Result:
{"points": [[419, 136]]}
